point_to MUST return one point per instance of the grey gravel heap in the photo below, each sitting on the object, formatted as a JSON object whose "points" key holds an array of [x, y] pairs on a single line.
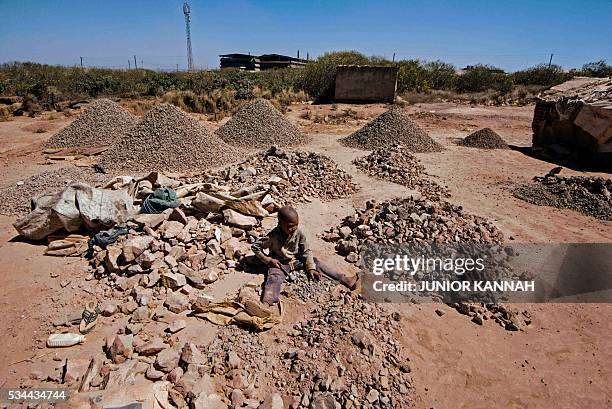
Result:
{"points": [[102, 123], [393, 127], [587, 195], [484, 138], [293, 176], [396, 164], [16, 198], [259, 124], [167, 139]]}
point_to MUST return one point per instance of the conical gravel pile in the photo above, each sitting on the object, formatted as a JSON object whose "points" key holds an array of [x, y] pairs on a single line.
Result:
{"points": [[394, 127], [259, 124], [485, 138], [167, 139], [102, 123]]}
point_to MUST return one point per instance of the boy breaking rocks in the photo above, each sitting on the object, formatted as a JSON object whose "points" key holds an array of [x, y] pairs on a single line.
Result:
{"points": [[289, 251]]}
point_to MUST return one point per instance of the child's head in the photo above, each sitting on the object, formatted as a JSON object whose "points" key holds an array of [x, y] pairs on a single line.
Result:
{"points": [[288, 219]]}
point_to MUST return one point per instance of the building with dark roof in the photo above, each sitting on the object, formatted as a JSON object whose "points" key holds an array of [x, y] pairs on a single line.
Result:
{"points": [[249, 62]]}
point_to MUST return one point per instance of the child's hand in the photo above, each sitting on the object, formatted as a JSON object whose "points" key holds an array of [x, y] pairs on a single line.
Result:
{"points": [[274, 263], [313, 274]]}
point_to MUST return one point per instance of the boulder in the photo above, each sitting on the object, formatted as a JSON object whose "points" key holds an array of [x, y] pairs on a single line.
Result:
{"points": [[234, 218], [141, 314], [192, 355], [174, 280], [121, 348], [153, 347], [176, 326], [194, 277], [150, 220], [273, 401], [167, 360], [177, 302], [135, 246], [171, 229], [212, 401]]}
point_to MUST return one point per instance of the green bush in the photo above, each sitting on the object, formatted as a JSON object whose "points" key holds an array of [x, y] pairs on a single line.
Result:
{"points": [[412, 76], [484, 77], [597, 69], [441, 75], [540, 75]]}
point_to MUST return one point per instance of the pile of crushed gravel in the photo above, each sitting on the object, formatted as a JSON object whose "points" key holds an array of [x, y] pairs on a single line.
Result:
{"points": [[587, 195], [102, 123], [167, 139], [392, 128], [396, 164], [259, 124], [485, 138], [16, 198]]}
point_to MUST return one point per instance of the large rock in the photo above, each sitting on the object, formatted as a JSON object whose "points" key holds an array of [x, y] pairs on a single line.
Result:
{"points": [[274, 401], [174, 280], [142, 295], [177, 302], [111, 259], [74, 369], [167, 360], [135, 246], [172, 229], [153, 347], [141, 314], [153, 374], [192, 355], [234, 218], [212, 401], [121, 348], [194, 277], [178, 216], [325, 401], [150, 220], [147, 258], [192, 385]]}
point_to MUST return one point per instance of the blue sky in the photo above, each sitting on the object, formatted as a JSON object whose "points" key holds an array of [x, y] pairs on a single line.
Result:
{"points": [[512, 34]]}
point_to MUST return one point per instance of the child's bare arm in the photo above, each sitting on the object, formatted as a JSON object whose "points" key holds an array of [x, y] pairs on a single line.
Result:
{"points": [[258, 248]]}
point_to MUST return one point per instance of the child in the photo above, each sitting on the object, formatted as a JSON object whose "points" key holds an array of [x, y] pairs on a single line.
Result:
{"points": [[288, 250]]}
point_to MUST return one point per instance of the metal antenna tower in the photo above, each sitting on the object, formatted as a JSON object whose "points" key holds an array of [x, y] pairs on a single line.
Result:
{"points": [[187, 12]]}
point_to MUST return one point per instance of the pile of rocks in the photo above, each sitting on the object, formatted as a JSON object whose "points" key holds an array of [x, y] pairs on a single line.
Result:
{"points": [[155, 275], [396, 164], [588, 195], [413, 220], [422, 221], [259, 124], [177, 252], [343, 354], [485, 138], [503, 315], [16, 198], [292, 176], [102, 123], [392, 128], [167, 139]]}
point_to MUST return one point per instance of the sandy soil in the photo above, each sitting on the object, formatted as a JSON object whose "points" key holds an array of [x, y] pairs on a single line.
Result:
{"points": [[561, 360]]}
